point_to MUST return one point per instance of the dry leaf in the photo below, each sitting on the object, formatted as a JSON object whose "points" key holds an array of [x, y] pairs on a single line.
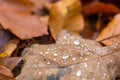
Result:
{"points": [[111, 40], [5, 71], [9, 48], [112, 29], [3, 77], [71, 57], [10, 62], [40, 4], [44, 19], [4, 38], [6, 67], [66, 15], [100, 7], [21, 23]]}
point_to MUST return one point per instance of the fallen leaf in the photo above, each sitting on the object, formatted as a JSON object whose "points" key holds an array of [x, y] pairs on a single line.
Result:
{"points": [[112, 29], [111, 40], [21, 23], [9, 48], [71, 57], [87, 2], [5, 71], [100, 7], [4, 38], [44, 19], [6, 67], [10, 62], [14, 5], [66, 15], [40, 4], [3, 77], [102, 21]]}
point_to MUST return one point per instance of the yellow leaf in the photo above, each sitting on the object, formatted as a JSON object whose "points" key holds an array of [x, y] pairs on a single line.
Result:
{"points": [[9, 48], [66, 15]]}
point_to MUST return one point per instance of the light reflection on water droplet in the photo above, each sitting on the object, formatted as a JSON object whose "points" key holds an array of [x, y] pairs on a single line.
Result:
{"points": [[73, 58], [65, 56], [85, 65], [46, 52], [79, 72], [48, 62], [55, 54], [77, 42]]}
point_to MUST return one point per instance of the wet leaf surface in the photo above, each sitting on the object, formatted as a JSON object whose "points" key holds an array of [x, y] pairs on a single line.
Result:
{"points": [[31, 30], [70, 57]]}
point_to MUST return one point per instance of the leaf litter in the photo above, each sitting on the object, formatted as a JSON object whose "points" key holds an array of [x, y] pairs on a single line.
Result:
{"points": [[32, 32]]}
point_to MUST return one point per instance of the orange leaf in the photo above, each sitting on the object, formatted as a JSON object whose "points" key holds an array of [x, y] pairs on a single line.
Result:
{"points": [[112, 29], [5, 71], [10, 62], [22, 24], [66, 15], [111, 40]]}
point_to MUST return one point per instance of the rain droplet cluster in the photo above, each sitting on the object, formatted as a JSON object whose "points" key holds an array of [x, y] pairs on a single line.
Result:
{"points": [[82, 55]]}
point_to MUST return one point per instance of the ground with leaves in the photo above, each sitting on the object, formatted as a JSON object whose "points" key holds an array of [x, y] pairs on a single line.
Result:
{"points": [[59, 39]]}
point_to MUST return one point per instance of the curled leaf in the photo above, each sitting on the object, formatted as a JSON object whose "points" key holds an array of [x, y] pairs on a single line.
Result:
{"points": [[112, 29], [111, 40], [66, 15]]}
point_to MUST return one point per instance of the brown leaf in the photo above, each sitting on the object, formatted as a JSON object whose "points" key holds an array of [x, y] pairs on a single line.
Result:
{"points": [[10, 47], [22, 24], [14, 5], [100, 7], [4, 38], [6, 67], [112, 29], [5, 71], [3, 77], [40, 4], [66, 15], [10, 62], [111, 40], [71, 57]]}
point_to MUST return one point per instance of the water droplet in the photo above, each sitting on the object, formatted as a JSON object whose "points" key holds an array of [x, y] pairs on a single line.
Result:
{"points": [[86, 59], [46, 52], [54, 59], [48, 62], [65, 56], [73, 58], [64, 37], [77, 42], [39, 72], [48, 49], [85, 65], [36, 60], [55, 54], [82, 45], [79, 72]]}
